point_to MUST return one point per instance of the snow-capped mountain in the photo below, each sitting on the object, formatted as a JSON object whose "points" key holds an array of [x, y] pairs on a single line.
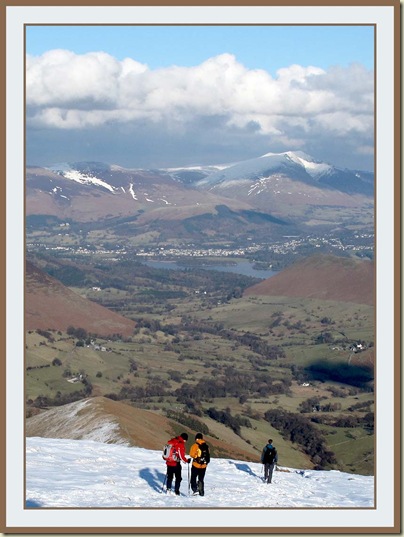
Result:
{"points": [[297, 166], [90, 474], [285, 185]]}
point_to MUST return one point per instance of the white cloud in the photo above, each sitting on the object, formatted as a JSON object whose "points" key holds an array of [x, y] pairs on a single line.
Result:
{"points": [[65, 90], [299, 108]]}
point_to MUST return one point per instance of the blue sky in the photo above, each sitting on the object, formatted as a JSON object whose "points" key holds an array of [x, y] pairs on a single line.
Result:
{"points": [[156, 96], [262, 47]]}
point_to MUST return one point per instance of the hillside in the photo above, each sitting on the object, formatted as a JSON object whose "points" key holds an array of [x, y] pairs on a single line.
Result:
{"points": [[323, 277], [51, 305], [102, 420]]}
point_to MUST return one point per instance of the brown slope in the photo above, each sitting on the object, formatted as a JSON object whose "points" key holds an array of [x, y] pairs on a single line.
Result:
{"points": [[51, 305], [323, 277], [102, 420]]}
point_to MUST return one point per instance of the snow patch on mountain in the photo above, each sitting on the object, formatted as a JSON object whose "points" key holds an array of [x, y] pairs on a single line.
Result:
{"points": [[87, 424], [132, 192], [209, 169], [87, 179], [65, 170]]}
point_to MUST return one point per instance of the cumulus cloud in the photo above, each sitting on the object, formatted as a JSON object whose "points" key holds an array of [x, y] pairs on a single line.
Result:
{"points": [[68, 91]]}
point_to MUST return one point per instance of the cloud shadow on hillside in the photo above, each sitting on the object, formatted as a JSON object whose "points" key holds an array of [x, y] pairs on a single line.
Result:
{"points": [[354, 375]]}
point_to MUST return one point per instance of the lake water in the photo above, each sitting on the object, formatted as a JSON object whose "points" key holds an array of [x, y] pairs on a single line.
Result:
{"points": [[242, 267]]}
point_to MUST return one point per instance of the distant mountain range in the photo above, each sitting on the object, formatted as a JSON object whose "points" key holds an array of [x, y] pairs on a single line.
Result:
{"points": [[284, 185]]}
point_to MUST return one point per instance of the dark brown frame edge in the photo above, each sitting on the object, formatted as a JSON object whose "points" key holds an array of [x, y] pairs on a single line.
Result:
{"points": [[396, 528]]}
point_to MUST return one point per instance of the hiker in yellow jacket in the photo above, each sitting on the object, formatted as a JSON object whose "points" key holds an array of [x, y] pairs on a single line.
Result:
{"points": [[201, 458]]}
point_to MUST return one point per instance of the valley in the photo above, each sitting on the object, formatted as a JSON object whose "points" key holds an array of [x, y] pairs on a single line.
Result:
{"points": [[239, 357], [206, 356]]}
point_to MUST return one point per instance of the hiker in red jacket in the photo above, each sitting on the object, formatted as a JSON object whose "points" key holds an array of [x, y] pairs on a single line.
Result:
{"points": [[174, 462]]}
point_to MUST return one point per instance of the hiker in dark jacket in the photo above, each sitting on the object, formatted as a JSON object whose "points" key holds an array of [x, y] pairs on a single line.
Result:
{"points": [[201, 458], [269, 458], [174, 466]]}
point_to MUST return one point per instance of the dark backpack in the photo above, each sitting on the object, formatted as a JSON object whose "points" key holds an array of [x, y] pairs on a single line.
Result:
{"points": [[269, 455], [204, 457], [170, 453]]}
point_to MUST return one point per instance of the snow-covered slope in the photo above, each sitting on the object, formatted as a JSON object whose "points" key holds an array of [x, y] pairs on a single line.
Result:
{"points": [[88, 474], [294, 164], [85, 178]]}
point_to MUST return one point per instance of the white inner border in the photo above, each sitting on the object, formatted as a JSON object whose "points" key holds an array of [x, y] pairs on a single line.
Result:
{"points": [[16, 515]]}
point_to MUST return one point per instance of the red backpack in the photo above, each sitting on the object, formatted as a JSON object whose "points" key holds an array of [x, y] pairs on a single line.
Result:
{"points": [[170, 451]]}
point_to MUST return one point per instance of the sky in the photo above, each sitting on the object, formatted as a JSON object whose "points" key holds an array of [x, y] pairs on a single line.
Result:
{"points": [[160, 96]]}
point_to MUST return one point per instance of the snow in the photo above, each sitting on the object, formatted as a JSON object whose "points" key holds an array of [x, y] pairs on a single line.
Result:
{"points": [[86, 179], [64, 473], [265, 165], [132, 192], [68, 172], [312, 167]]}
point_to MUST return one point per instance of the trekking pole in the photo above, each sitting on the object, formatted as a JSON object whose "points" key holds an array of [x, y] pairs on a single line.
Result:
{"points": [[189, 482], [165, 479]]}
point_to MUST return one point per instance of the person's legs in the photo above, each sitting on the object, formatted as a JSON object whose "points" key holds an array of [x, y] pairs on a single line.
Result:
{"points": [[201, 484], [270, 472], [178, 478], [266, 468], [194, 474], [170, 475]]}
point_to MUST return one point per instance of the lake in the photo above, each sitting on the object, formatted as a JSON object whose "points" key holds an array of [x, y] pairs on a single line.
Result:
{"points": [[242, 267]]}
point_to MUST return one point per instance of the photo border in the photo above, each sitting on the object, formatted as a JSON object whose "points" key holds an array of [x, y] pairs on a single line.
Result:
{"points": [[13, 280]]}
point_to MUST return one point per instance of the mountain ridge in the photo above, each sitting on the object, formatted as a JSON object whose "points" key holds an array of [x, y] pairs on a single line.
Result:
{"points": [[278, 183], [101, 419]]}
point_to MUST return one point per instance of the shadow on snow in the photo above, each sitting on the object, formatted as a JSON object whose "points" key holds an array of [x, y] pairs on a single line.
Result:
{"points": [[245, 468], [153, 477]]}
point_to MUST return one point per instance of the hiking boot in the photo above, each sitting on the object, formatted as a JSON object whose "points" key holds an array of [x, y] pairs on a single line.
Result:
{"points": [[177, 492]]}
